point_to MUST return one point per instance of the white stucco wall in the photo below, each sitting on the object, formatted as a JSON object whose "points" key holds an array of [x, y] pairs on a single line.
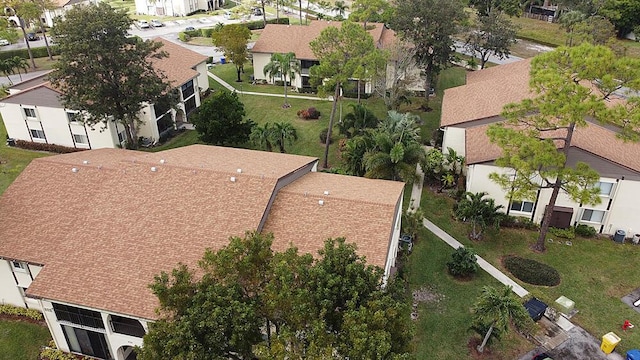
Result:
{"points": [[454, 138], [10, 294], [260, 60], [202, 79], [392, 252], [625, 209]]}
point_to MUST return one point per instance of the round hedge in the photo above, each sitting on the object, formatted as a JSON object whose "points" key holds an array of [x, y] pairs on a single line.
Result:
{"points": [[531, 271]]}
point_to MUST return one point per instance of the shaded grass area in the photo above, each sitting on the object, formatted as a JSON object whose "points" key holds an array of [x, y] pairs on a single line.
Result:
{"points": [[22, 340], [442, 329], [595, 273], [12, 160]]}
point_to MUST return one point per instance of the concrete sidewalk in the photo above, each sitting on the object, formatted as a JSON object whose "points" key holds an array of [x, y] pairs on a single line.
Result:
{"points": [[231, 88]]}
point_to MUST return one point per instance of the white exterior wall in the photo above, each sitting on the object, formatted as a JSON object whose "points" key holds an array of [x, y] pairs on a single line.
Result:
{"points": [[625, 209], [203, 79], [454, 138], [260, 60], [12, 279], [392, 253], [114, 340]]}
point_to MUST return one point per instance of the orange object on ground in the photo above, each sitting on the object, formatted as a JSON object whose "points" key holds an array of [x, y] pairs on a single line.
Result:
{"points": [[627, 325]]}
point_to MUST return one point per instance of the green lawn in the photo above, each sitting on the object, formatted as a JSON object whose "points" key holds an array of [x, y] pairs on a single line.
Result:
{"points": [[227, 72], [22, 340], [12, 160], [595, 273], [442, 328]]}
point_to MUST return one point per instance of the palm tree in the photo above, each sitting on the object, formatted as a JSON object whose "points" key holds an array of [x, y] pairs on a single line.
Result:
{"points": [[19, 63], [495, 309], [357, 121], [353, 153], [284, 132], [263, 135], [340, 7], [285, 66], [26, 11], [480, 211], [7, 68]]}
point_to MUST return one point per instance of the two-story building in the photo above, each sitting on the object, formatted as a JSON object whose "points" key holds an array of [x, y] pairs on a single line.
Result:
{"points": [[175, 7], [34, 112], [84, 234], [469, 110]]}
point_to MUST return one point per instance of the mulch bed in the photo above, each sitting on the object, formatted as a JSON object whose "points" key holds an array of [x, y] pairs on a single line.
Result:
{"points": [[22, 319]]}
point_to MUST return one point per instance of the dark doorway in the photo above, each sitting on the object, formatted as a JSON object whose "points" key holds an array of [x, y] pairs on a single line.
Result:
{"points": [[561, 217]]}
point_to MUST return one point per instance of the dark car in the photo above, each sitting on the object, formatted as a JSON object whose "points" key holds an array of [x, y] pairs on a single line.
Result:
{"points": [[189, 28], [542, 356], [32, 37]]}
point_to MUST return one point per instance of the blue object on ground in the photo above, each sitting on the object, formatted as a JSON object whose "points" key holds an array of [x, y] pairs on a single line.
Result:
{"points": [[223, 61], [633, 354]]}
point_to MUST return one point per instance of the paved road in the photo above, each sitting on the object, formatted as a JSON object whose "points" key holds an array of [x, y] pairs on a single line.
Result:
{"points": [[492, 58]]}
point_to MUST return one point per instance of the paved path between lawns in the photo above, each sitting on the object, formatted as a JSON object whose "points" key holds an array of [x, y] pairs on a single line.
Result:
{"points": [[231, 88]]}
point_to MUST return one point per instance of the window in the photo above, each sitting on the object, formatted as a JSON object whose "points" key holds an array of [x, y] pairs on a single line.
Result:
{"points": [[164, 124], [187, 89], [127, 326], [28, 112], [190, 105], [78, 316], [86, 342], [80, 139], [605, 188], [121, 137], [37, 134], [522, 206], [595, 216], [19, 266], [74, 117]]}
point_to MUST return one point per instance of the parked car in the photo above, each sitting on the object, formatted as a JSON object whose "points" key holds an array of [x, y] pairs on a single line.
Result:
{"points": [[542, 356], [227, 15], [257, 12], [156, 23], [143, 24], [4, 42], [405, 243], [189, 28], [32, 37]]}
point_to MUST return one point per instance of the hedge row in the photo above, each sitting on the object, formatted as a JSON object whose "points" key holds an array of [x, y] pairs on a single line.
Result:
{"points": [[23, 53], [252, 25], [59, 149], [15, 310], [51, 352], [531, 271]]}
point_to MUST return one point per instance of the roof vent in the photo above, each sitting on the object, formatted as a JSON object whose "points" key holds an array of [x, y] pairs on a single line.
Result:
{"points": [[154, 169], [86, 162], [99, 167], [320, 202], [239, 171], [162, 161], [306, 193], [233, 179], [74, 170], [326, 192]]}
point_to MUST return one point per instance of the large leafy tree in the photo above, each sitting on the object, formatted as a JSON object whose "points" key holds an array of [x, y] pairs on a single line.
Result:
{"points": [[220, 120], [493, 35], [333, 307], [104, 74], [286, 67], [233, 39], [421, 22], [570, 84], [367, 11], [343, 52], [480, 211], [624, 14], [495, 309], [486, 7]]}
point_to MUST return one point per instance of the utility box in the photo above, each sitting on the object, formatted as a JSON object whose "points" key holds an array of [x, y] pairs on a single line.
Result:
{"points": [[609, 342], [565, 305], [619, 236]]}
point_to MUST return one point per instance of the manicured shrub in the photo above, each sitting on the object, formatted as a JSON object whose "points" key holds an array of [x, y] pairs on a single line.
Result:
{"points": [[517, 222], [308, 114], [184, 37], [568, 233], [23, 53], [18, 311], [463, 262], [531, 271], [259, 24], [206, 32], [51, 352], [323, 136], [585, 231], [59, 149]]}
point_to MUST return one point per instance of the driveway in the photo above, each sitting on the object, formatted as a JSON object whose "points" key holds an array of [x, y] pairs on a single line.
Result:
{"points": [[580, 346]]}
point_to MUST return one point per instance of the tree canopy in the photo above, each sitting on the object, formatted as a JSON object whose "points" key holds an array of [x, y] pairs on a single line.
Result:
{"points": [[104, 74], [343, 53], [284, 66], [486, 7], [332, 307], [493, 35], [220, 120], [233, 39], [571, 85]]}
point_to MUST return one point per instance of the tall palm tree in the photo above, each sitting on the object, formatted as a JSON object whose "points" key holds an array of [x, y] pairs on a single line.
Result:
{"points": [[496, 308], [284, 132], [7, 68], [263, 136], [353, 153], [22, 14], [286, 67], [357, 121], [340, 7], [480, 211], [19, 63], [393, 160]]}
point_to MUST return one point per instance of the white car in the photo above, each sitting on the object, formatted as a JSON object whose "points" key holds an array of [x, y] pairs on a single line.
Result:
{"points": [[143, 24], [4, 42], [156, 23]]}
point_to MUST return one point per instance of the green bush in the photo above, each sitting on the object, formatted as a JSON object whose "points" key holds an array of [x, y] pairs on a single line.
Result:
{"points": [[323, 136], [51, 352], [193, 33], [568, 233], [184, 37], [259, 24], [38, 52], [463, 262], [517, 222], [59, 149], [531, 271], [18, 311], [585, 231]]}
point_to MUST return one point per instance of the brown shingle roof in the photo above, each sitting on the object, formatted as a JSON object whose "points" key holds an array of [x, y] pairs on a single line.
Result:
{"points": [[486, 92], [592, 138], [276, 38], [179, 65], [361, 210], [106, 229]]}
